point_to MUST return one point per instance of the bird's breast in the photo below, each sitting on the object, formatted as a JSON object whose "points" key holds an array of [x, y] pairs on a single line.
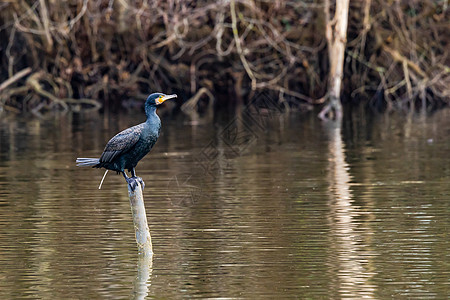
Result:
{"points": [[149, 137], [151, 134]]}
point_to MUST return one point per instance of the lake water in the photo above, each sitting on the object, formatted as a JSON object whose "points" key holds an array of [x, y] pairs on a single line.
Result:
{"points": [[263, 205]]}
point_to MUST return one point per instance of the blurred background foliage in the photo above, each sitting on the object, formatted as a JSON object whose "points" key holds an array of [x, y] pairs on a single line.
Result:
{"points": [[80, 54]]}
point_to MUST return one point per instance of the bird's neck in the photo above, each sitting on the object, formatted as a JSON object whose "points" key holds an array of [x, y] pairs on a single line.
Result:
{"points": [[152, 117]]}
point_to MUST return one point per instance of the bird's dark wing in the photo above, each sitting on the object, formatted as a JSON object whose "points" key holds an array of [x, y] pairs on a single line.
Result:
{"points": [[121, 143]]}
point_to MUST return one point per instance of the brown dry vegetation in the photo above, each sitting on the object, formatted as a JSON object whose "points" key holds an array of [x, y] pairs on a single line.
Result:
{"points": [[71, 54]]}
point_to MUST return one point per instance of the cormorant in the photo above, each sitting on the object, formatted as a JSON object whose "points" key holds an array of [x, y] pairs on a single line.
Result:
{"points": [[128, 147]]}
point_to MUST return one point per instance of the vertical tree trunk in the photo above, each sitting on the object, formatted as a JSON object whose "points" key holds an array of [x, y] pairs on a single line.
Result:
{"points": [[336, 34]]}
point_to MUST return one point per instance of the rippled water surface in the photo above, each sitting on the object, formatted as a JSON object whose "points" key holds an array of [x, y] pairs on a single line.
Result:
{"points": [[262, 206]]}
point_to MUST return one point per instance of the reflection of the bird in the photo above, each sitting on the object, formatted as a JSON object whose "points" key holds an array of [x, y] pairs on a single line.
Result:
{"points": [[350, 259]]}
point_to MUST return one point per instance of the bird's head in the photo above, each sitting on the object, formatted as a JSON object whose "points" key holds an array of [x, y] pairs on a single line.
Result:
{"points": [[158, 98]]}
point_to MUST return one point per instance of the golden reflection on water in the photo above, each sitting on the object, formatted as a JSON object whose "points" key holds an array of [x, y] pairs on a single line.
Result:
{"points": [[351, 260], [358, 211], [142, 281]]}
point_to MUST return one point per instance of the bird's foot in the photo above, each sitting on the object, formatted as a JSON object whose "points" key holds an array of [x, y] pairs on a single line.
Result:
{"points": [[134, 181], [141, 182]]}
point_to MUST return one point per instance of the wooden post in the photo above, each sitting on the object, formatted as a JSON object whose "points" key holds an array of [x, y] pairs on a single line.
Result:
{"points": [[336, 34], [143, 238]]}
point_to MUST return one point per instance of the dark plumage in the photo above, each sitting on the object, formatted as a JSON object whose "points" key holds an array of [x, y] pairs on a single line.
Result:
{"points": [[128, 147]]}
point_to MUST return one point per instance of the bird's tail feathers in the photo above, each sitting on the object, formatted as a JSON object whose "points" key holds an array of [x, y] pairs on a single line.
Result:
{"points": [[87, 162]]}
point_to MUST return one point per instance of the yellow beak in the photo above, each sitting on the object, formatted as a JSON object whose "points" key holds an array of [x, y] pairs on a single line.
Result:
{"points": [[164, 98]]}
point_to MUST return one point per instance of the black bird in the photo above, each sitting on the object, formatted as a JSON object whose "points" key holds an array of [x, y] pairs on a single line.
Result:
{"points": [[128, 147]]}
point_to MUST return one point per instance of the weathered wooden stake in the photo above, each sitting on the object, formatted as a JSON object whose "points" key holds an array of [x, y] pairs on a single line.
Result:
{"points": [[143, 238]]}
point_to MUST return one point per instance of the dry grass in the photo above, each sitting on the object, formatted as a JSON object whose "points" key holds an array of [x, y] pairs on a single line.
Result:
{"points": [[79, 51]]}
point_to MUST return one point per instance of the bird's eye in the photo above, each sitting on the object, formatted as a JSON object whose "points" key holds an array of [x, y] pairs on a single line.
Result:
{"points": [[160, 96]]}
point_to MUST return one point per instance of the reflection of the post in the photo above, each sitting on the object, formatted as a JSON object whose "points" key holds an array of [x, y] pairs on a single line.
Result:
{"points": [[349, 260], [142, 282]]}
